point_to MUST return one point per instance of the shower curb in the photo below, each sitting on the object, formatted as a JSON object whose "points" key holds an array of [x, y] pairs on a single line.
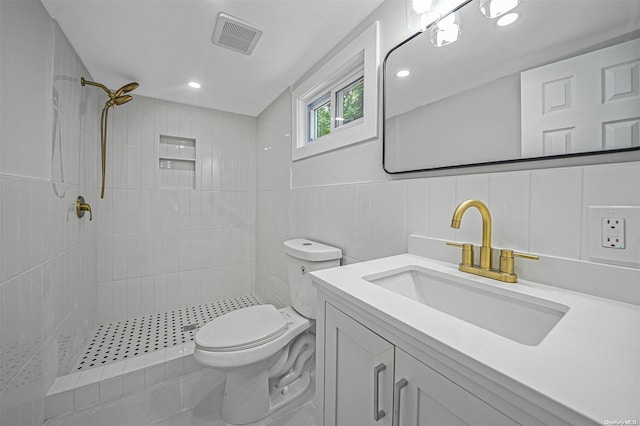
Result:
{"points": [[84, 389]]}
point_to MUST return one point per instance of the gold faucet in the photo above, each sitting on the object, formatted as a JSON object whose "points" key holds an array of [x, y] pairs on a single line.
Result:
{"points": [[506, 272], [485, 250]]}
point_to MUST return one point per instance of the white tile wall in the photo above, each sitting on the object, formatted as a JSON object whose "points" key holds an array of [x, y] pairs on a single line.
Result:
{"points": [[540, 211], [166, 248], [48, 268]]}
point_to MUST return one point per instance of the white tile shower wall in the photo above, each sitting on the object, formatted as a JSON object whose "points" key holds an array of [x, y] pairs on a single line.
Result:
{"points": [[48, 281], [162, 248], [541, 211]]}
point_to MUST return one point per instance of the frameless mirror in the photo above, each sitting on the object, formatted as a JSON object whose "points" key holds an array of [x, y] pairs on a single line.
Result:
{"points": [[561, 81]]}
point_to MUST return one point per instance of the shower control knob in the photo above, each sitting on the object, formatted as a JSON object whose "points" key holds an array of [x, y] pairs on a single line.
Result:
{"points": [[82, 207]]}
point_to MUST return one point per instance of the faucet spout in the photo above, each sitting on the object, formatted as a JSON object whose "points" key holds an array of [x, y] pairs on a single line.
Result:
{"points": [[485, 250]]}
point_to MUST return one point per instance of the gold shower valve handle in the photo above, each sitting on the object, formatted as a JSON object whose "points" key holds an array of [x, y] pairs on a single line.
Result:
{"points": [[82, 207]]}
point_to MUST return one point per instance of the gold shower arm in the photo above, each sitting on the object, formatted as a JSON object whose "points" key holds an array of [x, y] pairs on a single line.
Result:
{"points": [[93, 83]]}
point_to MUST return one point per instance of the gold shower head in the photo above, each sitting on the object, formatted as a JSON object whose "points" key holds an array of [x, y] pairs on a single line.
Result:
{"points": [[119, 100], [126, 88], [115, 98], [112, 94]]}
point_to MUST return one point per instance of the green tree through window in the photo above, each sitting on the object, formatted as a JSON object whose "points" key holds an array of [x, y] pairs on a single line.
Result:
{"points": [[323, 120], [352, 102]]}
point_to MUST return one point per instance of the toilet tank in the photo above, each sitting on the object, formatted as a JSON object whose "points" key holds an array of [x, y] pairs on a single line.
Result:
{"points": [[304, 256]]}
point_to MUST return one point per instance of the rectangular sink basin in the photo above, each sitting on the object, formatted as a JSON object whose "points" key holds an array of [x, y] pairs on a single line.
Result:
{"points": [[522, 318]]}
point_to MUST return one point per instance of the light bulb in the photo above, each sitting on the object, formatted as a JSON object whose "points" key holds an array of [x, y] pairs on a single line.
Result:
{"points": [[420, 14], [194, 85], [447, 21], [446, 31], [421, 6]]}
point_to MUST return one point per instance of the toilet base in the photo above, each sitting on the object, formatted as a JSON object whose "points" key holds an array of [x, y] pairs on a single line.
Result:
{"points": [[242, 388]]}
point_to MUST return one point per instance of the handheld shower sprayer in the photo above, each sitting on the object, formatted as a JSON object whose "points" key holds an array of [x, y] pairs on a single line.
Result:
{"points": [[116, 98]]}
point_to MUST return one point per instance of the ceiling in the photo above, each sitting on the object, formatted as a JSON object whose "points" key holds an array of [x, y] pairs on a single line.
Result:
{"points": [[164, 44]]}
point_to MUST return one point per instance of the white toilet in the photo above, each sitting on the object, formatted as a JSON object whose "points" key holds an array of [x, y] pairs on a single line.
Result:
{"points": [[265, 351]]}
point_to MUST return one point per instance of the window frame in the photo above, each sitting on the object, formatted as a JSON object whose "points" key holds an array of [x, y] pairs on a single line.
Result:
{"points": [[312, 108], [361, 56]]}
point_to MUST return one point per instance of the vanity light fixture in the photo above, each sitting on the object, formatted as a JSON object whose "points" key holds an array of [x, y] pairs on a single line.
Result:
{"points": [[495, 8], [507, 19], [421, 13], [445, 31], [194, 84], [403, 73]]}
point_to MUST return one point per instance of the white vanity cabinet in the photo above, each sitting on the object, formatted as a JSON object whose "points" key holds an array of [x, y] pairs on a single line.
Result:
{"points": [[358, 373], [370, 381], [467, 369]]}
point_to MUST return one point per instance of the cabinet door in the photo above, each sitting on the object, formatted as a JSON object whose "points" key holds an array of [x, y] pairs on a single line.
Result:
{"points": [[358, 373], [425, 397]]}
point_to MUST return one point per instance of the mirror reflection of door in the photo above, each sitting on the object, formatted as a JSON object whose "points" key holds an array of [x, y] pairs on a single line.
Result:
{"points": [[479, 100], [587, 103]]}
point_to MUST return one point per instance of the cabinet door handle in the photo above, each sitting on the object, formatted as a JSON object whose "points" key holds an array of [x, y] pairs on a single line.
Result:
{"points": [[396, 401], [377, 413]]}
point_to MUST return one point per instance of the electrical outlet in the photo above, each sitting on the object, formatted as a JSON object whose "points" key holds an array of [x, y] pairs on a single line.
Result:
{"points": [[613, 233]]}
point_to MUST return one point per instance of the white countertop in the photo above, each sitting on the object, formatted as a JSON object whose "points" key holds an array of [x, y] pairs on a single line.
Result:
{"points": [[589, 362]]}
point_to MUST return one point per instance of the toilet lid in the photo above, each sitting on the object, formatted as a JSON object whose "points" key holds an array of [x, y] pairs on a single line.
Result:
{"points": [[242, 329]]}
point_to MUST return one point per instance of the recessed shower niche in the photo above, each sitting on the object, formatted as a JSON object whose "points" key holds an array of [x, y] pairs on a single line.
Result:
{"points": [[177, 162]]}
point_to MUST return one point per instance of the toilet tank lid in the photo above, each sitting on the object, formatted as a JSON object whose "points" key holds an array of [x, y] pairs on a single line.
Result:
{"points": [[312, 251]]}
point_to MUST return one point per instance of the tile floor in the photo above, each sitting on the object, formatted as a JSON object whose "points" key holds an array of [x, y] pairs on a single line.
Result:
{"points": [[191, 400], [137, 336]]}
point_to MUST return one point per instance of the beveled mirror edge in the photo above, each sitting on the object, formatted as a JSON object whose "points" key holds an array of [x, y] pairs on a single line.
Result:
{"points": [[590, 158]]}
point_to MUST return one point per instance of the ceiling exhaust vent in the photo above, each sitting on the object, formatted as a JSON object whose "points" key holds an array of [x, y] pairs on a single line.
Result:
{"points": [[235, 34]]}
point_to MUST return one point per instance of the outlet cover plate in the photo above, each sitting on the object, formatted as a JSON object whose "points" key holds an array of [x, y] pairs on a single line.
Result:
{"points": [[628, 254], [613, 233]]}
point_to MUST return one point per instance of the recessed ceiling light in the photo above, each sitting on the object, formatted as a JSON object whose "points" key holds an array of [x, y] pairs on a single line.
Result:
{"points": [[194, 84], [507, 19], [403, 73]]}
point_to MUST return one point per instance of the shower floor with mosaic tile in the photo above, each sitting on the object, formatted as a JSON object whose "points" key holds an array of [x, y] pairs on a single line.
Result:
{"points": [[134, 337]]}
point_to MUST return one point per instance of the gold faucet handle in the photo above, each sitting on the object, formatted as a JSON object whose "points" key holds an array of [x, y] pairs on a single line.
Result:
{"points": [[467, 252], [506, 259], [526, 256]]}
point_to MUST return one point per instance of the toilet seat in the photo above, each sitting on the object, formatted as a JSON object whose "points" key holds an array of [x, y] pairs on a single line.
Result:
{"points": [[234, 357], [242, 329]]}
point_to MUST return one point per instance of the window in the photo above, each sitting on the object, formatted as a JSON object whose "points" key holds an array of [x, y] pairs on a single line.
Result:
{"points": [[319, 120], [337, 105], [349, 103], [331, 111]]}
